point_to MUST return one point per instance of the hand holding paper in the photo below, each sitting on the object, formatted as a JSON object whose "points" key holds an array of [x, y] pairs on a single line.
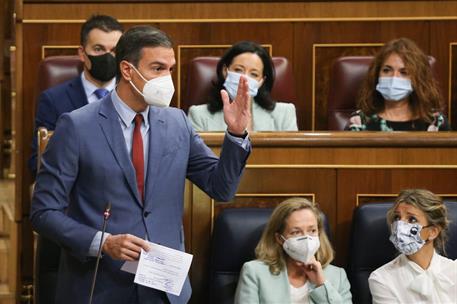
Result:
{"points": [[161, 268]]}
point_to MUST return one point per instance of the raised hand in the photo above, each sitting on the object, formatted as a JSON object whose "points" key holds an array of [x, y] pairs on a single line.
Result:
{"points": [[237, 114]]}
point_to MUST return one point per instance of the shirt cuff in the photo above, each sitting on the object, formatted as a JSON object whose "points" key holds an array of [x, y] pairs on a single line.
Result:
{"points": [[243, 142], [95, 245]]}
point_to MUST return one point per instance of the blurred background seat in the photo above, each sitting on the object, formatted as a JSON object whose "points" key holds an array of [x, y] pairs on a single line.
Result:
{"points": [[347, 75], [54, 70]]}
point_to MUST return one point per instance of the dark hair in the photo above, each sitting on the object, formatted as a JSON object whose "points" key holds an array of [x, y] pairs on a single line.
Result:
{"points": [[425, 99], [263, 97], [134, 40], [101, 22]]}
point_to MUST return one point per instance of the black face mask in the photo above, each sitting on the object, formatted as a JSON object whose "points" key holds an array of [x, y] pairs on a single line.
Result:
{"points": [[103, 67]]}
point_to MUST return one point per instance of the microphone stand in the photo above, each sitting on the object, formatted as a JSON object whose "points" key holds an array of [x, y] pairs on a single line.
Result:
{"points": [[106, 215]]}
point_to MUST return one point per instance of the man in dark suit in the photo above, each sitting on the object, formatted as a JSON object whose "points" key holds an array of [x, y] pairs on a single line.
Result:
{"points": [[130, 149], [99, 36]]}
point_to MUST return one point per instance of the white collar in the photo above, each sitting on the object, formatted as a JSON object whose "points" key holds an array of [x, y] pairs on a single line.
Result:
{"points": [[89, 87], [426, 280]]}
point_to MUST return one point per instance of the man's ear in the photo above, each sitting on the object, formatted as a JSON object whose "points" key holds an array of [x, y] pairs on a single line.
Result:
{"points": [[126, 70], [81, 54]]}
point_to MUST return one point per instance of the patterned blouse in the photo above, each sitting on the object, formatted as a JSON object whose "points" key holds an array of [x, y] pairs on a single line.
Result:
{"points": [[361, 122]]}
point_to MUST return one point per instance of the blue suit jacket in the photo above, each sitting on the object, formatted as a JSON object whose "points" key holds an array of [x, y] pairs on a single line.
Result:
{"points": [[86, 165], [52, 103]]}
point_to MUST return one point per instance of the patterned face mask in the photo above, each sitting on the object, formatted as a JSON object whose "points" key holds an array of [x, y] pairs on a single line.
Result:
{"points": [[406, 237]]}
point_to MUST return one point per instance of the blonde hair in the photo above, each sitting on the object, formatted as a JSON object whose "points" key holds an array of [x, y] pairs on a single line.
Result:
{"points": [[433, 207], [270, 252]]}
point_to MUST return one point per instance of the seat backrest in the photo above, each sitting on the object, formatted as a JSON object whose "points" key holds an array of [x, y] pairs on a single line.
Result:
{"points": [[451, 245], [346, 78], [236, 234], [370, 247], [202, 73], [54, 70]]}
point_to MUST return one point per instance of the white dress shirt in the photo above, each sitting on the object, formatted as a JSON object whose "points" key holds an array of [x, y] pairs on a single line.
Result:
{"points": [[403, 281], [89, 88], [299, 295]]}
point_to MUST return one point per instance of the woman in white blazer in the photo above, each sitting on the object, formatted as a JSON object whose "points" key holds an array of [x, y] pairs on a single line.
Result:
{"points": [[419, 274], [249, 59], [293, 261]]}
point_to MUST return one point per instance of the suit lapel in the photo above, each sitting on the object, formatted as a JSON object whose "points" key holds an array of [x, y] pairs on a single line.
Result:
{"points": [[109, 122], [76, 93], [157, 144]]}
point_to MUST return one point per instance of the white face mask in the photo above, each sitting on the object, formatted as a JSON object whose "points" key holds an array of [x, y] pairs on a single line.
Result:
{"points": [[301, 248], [406, 237], [233, 79], [157, 91], [394, 88]]}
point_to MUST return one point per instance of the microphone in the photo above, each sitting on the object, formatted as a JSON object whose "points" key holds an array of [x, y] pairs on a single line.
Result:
{"points": [[106, 215]]}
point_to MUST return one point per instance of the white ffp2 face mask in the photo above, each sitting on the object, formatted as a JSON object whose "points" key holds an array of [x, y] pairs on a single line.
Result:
{"points": [[301, 248], [394, 88], [233, 79], [157, 91]]}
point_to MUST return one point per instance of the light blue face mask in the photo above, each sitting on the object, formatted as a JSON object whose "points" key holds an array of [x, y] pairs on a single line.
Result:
{"points": [[394, 88], [231, 84]]}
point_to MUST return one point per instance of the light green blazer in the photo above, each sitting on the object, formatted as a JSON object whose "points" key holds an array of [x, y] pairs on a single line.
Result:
{"points": [[282, 118], [258, 285]]}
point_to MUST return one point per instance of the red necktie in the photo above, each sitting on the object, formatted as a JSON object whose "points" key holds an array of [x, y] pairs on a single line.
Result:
{"points": [[138, 155]]}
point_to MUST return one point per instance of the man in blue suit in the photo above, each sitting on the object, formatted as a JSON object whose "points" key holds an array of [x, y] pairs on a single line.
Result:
{"points": [[99, 36], [131, 150]]}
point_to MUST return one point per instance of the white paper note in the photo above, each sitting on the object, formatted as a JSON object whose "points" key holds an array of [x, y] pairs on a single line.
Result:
{"points": [[163, 268]]}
